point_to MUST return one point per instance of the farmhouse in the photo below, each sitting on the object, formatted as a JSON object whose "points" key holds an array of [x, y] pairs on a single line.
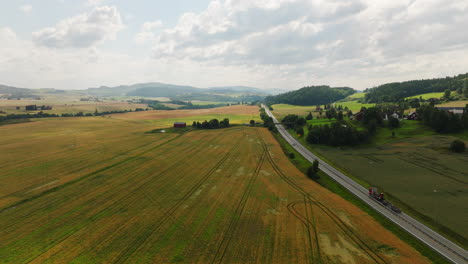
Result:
{"points": [[358, 116], [454, 110], [412, 116], [180, 124]]}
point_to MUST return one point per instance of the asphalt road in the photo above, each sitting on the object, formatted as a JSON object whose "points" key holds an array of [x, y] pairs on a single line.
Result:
{"points": [[431, 238]]}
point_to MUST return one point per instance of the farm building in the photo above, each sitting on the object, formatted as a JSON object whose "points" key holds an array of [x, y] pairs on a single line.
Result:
{"points": [[412, 116], [454, 110], [180, 124]]}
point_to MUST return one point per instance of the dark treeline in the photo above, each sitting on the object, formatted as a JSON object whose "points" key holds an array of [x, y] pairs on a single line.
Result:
{"points": [[212, 124], [208, 106], [336, 134], [313, 95], [79, 114], [394, 92], [442, 121]]}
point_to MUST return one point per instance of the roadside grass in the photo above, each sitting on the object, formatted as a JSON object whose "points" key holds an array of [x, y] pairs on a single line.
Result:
{"points": [[302, 164]]}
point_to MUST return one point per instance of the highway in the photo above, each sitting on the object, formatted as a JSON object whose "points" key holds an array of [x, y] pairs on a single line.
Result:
{"points": [[431, 238]]}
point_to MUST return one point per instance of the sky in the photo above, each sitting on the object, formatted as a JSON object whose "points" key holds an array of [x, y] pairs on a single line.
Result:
{"points": [[281, 44]]}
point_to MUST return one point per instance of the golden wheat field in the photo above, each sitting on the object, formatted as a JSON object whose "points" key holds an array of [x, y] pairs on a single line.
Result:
{"points": [[101, 190]]}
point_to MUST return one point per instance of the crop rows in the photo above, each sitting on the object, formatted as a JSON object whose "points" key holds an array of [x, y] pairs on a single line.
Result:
{"points": [[200, 197]]}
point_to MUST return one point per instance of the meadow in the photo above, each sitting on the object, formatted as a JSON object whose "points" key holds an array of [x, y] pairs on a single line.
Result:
{"points": [[460, 103], [282, 110], [357, 95], [101, 189], [427, 96]]}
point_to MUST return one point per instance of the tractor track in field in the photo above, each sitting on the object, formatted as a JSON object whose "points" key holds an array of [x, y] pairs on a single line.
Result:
{"points": [[305, 221], [153, 201], [314, 226], [169, 212], [343, 226], [123, 198], [87, 175], [95, 173], [19, 192], [94, 217], [225, 241]]}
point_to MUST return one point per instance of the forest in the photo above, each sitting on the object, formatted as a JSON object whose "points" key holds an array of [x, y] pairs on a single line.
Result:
{"points": [[311, 95], [394, 92]]}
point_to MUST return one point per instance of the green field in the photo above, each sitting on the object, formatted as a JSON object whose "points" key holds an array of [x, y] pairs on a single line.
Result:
{"points": [[354, 106], [102, 190], [281, 110], [416, 169], [357, 95], [427, 96], [462, 103]]}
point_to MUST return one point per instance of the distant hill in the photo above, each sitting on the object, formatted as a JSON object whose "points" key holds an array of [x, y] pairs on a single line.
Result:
{"points": [[180, 92], [393, 92], [14, 91], [238, 89], [312, 95]]}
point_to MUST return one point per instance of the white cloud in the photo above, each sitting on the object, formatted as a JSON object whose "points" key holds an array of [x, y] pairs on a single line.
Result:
{"points": [[315, 39], [151, 25], [82, 31], [147, 33], [26, 8], [264, 43], [94, 2]]}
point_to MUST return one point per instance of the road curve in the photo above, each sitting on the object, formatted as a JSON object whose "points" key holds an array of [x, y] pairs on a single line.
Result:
{"points": [[431, 238]]}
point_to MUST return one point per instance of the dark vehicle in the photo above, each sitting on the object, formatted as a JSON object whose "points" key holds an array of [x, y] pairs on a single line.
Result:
{"points": [[374, 193]]}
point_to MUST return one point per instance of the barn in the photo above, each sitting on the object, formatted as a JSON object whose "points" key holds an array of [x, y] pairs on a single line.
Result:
{"points": [[180, 124]]}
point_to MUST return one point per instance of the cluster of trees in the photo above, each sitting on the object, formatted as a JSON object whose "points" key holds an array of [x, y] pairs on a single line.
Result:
{"points": [[442, 121], [295, 122], [313, 95], [267, 121], [394, 92], [336, 134], [312, 171], [212, 124], [342, 133]]}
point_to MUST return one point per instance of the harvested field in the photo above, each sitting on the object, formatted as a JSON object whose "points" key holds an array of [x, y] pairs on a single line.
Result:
{"points": [[66, 105], [210, 196], [237, 114], [166, 114]]}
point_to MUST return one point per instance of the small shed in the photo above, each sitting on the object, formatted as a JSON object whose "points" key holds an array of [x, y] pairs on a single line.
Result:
{"points": [[180, 124]]}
